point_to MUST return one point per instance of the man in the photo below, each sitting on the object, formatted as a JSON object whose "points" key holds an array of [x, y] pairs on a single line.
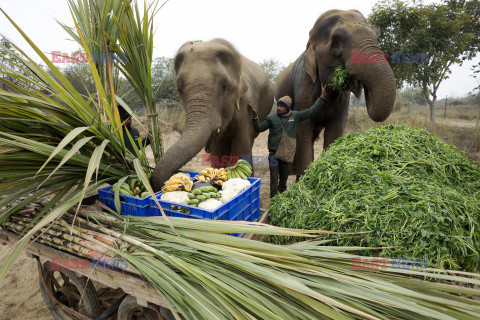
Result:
{"points": [[126, 119], [290, 120]]}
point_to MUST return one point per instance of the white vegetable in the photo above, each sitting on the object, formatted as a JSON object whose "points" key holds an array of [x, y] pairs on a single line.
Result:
{"points": [[175, 196], [209, 204], [227, 195], [236, 185]]}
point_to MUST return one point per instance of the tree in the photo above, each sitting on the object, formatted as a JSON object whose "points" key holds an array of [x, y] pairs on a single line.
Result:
{"points": [[163, 79], [440, 34], [272, 68]]}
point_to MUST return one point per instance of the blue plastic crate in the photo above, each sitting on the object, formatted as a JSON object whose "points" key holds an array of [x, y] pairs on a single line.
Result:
{"points": [[131, 206], [245, 206]]}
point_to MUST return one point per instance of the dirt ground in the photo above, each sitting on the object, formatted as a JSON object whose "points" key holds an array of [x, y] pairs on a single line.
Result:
{"points": [[21, 297]]}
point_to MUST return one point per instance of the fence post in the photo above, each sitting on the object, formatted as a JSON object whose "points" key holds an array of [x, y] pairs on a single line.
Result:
{"points": [[445, 113]]}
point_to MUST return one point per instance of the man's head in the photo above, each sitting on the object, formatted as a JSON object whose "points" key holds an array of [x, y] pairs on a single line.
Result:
{"points": [[284, 105]]}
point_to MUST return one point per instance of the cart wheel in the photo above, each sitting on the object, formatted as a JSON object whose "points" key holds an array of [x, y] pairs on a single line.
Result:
{"points": [[130, 310], [73, 291]]}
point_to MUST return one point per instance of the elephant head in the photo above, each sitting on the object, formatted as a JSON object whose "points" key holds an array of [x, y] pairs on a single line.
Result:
{"points": [[346, 38], [209, 84]]}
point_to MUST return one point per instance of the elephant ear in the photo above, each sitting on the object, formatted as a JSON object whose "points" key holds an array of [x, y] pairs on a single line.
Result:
{"points": [[309, 63], [242, 88]]}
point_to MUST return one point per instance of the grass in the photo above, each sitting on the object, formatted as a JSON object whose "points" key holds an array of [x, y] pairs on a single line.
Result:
{"points": [[462, 134]]}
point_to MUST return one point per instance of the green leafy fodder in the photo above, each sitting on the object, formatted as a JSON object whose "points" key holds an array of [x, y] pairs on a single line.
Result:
{"points": [[403, 186]]}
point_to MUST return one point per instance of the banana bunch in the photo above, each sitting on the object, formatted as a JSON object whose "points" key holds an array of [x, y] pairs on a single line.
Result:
{"points": [[132, 188], [202, 194], [178, 182], [215, 177], [242, 169]]}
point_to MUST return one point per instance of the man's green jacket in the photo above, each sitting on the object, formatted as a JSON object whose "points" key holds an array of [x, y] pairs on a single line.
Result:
{"points": [[290, 123]]}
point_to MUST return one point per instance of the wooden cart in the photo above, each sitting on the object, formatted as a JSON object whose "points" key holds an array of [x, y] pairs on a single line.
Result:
{"points": [[69, 293]]}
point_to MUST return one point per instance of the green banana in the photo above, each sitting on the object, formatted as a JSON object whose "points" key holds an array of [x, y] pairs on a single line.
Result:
{"points": [[126, 192], [125, 186], [241, 174], [246, 170], [191, 196], [244, 162], [193, 201], [144, 194], [201, 197]]}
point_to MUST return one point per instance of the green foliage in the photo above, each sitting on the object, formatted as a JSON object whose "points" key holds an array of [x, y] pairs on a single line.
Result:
{"points": [[340, 78], [403, 186], [414, 96], [272, 68], [447, 33], [163, 79]]}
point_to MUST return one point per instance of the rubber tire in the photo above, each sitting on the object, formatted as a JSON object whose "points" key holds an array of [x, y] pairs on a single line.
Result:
{"points": [[83, 285], [130, 303]]}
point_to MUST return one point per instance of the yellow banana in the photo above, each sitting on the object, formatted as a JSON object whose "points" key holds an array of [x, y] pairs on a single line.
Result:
{"points": [[172, 187], [173, 181]]}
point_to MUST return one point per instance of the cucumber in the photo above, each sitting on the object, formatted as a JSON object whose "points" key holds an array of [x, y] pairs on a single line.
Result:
{"points": [[191, 196], [126, 192], [193, 201], [197, 191], [125, 186], [201, 197], [206, 188], [207, 195]]}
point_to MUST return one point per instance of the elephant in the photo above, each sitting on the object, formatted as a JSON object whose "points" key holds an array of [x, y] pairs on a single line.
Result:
{"points": [[215, 83], [337, 38]]}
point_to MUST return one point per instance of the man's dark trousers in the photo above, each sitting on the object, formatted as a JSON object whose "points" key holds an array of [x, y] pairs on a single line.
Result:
{"points": [[278, 168]]}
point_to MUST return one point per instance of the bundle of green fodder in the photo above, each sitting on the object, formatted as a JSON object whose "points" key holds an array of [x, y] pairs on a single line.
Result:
{"points": [[402, 185]]}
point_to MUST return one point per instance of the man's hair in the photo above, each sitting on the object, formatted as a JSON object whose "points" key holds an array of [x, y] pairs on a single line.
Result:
{"points": [[124, 115]]}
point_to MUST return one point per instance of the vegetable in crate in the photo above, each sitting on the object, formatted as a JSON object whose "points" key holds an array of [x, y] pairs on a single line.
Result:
{"points": [[134, 188], [201, 194], [215, 177], [242, 169], [178, 182], [404, 186]]}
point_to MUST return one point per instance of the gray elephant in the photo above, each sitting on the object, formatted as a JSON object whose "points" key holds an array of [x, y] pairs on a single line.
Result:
{"points": [[215, 84], [337, 38]]}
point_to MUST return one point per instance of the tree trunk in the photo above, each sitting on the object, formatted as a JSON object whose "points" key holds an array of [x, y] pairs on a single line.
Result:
{"points": [[431, 103]]}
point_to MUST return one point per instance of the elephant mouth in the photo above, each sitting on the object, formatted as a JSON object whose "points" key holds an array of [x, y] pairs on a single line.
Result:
{"points": [[211, 142], [355, 86]]}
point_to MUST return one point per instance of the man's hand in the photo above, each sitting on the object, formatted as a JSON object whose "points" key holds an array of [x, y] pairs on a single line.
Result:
{"points": [[324, 91], [251, 112]]}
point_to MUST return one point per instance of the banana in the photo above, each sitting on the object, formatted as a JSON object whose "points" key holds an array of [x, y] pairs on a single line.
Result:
{"points": [[174, 181], [241, 174], [246, 170], [172, 187], [203, 172], [244, 162], [136, 191], [221, 171], [234, 173]]}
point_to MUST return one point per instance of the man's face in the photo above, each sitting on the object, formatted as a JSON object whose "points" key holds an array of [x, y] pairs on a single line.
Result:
{"points": [[281, 109]]}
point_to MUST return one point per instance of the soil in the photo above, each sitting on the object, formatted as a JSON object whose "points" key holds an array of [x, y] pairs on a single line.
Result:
{"points": [[21, 297]]}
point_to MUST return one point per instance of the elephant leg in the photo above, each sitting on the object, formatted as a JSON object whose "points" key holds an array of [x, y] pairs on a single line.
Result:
{"points": [[335, 128], [304, 151], [242, 146]]}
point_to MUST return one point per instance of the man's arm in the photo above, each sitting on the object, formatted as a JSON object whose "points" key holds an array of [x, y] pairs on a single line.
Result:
{"points": [[305, 114], [261, 126]]}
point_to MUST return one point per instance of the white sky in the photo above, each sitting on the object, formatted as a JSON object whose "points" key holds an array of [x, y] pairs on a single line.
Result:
{"points": [[259, 29]]}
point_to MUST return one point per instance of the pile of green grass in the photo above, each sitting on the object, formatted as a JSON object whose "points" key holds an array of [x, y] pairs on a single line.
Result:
{"points": [[403, 185]]}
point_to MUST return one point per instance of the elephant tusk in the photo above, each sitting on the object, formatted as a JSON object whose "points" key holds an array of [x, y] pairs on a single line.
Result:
{"points": [[218, 130]]}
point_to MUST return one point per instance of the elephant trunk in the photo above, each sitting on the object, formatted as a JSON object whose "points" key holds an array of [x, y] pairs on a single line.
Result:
{"points": [[198, 129], [378, 82]]}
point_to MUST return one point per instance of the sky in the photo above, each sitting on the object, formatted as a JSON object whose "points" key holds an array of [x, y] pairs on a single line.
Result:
{"points": [[259, 29]]}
